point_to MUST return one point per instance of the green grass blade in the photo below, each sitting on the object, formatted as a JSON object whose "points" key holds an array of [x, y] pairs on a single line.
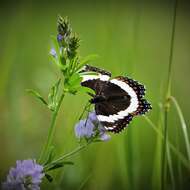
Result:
{"points": [[183, 125], [171, 171], [181, 157], [84, 182]]}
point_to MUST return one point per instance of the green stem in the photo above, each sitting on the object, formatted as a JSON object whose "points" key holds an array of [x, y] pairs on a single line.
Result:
{"points": [[51, 130], [170, 167], [164, 149], [82, 185], [183, 124], [76, 150], [181, 157], [167, 100]]}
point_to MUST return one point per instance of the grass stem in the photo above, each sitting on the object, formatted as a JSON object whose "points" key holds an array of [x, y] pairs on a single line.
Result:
{"points": [[183, 124], [180, 156], [170, 167], [167, 100]]}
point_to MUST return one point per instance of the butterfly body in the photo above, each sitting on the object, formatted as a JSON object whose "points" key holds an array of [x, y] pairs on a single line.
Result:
{"points": [[117, 100]]}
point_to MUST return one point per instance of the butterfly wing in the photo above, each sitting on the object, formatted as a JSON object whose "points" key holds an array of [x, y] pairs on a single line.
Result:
{"points": [[107, 114], [139, 93], [124, 100]]}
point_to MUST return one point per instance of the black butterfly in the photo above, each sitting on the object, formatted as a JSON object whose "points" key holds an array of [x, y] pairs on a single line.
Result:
{"points": [[116, 100]]}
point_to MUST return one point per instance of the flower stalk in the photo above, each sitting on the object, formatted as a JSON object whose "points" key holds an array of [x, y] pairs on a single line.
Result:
{"points": [[68, 155], [51, 131], [64, 54]]}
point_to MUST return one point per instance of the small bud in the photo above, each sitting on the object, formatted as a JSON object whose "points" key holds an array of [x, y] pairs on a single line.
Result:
{"points": [[73, 46], [59, 38]]}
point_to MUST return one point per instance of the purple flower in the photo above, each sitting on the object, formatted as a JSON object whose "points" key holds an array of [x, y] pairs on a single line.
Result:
{"points": [[92, 116], [105, 137], [53, 52], [85, 128], [27, 175], [91, 128], [59, 37]]}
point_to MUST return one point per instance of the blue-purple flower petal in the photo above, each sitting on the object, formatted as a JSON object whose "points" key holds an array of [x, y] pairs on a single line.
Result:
{"points": [[26, 175], [53, 52], [92, 116], [59, 37], [91, 128], [105, 137], [85, 128]]}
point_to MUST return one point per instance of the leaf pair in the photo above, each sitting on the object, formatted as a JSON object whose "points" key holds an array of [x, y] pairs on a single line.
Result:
{"points": [[55, 166], [52, 97]]}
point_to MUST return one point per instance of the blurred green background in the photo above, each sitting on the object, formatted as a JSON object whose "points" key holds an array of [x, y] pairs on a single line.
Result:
{"points": [[132, 38]]}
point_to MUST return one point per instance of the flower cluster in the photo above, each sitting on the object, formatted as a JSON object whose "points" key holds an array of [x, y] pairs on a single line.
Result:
{"points": [[68, 41], [26, 175], [64, 55], [91, 129]]}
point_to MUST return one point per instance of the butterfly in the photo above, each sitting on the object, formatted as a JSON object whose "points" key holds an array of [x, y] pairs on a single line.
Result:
{"points": [[117, 100]]}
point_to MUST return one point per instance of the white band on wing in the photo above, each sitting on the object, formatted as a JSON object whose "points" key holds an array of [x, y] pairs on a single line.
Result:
{"points": [[110, 128], [92, 77], [111, 118], [132, 107]]}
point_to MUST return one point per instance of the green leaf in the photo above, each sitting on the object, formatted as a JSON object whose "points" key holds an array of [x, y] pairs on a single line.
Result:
{"points": [[183, 125], [56, 45], [58, 165], [57, 84], [75, 79], [60, 60], [37, 95], [86, 90], [49, 178], [74, 64], [52, 97], [73, 83], [86, 60], [53, 60], [64, 68], [180, 155]]}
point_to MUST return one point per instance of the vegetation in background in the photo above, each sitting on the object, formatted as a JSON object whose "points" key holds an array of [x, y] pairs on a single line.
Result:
{"points": [[133, 158]]}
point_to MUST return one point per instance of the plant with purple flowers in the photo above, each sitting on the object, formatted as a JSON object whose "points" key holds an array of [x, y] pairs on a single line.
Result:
{"points": [[28, 174], [91, 129]]}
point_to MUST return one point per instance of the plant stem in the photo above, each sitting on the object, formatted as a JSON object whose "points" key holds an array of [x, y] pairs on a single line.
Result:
{"points": [[164, 149], [167, 100], [73, 152], [171, 171], [51, 130], [183, 124]]}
